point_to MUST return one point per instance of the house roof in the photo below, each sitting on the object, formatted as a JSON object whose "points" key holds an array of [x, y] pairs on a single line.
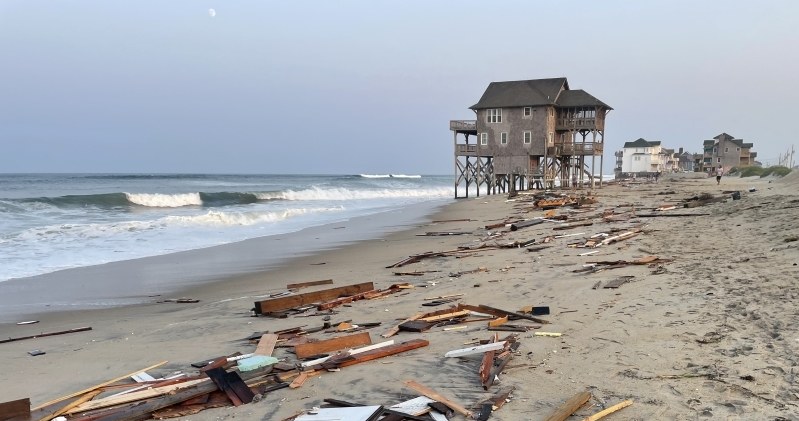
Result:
{"points": [[521, 93], [579, 98], [641, 143]]}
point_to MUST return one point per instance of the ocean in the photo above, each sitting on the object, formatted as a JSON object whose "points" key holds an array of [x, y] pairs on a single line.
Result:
{"points": [[51, 222]]}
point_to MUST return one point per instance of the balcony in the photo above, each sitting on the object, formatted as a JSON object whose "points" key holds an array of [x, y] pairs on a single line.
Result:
{"points": [[464, 126], [587, 148], [565, 123], [465, 150]]}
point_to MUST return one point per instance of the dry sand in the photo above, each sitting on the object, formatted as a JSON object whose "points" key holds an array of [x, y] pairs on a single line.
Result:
{"points": [[711, 335]]}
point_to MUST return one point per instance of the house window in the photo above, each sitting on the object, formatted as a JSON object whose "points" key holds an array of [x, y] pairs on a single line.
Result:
{"points": [[551, 112], [503, 138], [484, 139], [726, 149], [528, 138], [718, 159], [738, 149], [494, 115], [637, 158], [551, 137], [528, 111]]}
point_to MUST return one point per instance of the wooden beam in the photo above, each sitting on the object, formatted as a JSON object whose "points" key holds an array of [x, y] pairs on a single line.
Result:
{"points": [[608, 411], [334, 344], [291, 301], [348, 360], [309, 284], [20, 409], [87, 390], [393, 331], [132, 397], [567, 408], [479, 349], [62, 332], [432, 394], [266, 345]]}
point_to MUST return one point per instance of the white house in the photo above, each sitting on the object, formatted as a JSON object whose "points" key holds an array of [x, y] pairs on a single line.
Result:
{"points": [[642, 156]]}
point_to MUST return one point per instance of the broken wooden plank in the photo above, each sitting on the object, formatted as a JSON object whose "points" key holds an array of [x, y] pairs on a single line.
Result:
{"points": [[445, 316], [499, 312], [608, 411], [232, 385], [355, 351], [615, 283], [494, 346], [416, 406], [291, 301], [299, 381], [334, 344], [87, 390], [266, 345], [16, 409], [133, 396], [348, 360], [353, 413], [567, 408], [499, 364], [498, 321], [416, 326], [524, 224], [432, 394], [309, 284], [41, 335], [393, 331]]}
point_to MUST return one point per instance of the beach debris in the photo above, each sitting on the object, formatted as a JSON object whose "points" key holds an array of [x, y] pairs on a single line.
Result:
{"points": [[309, 284], [416, 326], [29, 322], [524, 224], [266, 344], [333, 344], [16, 409], [432, 394], [621, 280], [609, 410], [500, 313], [479, 349], [567, 408], [41, 335], [441, 233], [494, 403], [549, 334], [393, 331], [291, 301], [36, 352], [467, 272], [535, 310], [231, 383], [180, 300]]}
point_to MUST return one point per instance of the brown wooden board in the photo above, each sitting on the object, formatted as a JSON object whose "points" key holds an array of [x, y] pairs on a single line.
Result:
{"points": [[334, 344], [309, 284], [374, 354], [18, 409], [567, 408], [232, 385], [291, 301], [416, 326], [266, 345]]}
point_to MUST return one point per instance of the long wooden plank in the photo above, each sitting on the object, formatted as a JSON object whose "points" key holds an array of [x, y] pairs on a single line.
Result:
{"points": [[500, 312], [393, 331], [62, 332], [608, 411], [291, 301], [349, 360], [85, 398], [17, 408], [133, 396], [479, 349], [317, 362], [309, 284], [567, 408], [334, 344], [266, 345], [432, 394], [89, 389]]}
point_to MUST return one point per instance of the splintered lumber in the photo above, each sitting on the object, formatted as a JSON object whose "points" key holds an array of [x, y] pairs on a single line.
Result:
{"points": [[432, 394], [620, 237], [416, 406], [445, 316], [19, 409], [87, 390], [309, 284], [232, 385], [344, 300], [291, 301], [498, 321], [499, 312], [479, 349], [299, 381], [355, 351], [266, 345], [670, 214], [499, 364], [41, 335], [393, 331], [572, 225], [568, 407], [348, 360], [133, 396], [416, 326], [85, 398], [334, 344], [608, 411], [524, 224]]}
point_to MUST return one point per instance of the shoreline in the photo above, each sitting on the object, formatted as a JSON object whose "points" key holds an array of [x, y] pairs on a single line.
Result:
{"points": [[681, 341], [159, 277]]}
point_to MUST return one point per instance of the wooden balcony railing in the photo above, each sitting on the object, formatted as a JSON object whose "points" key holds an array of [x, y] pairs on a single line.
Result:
{"points": [[588, 148], [565, 123], [463, 125], [465, 150]]}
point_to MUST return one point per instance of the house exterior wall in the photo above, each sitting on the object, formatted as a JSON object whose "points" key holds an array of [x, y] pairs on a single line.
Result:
{"points": [[514, 123], [642, 159]]}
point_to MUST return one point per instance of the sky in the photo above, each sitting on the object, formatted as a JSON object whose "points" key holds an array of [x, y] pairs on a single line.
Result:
{"points": [[368, 86]]}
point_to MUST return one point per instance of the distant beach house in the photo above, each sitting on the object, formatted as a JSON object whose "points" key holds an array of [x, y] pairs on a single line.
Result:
{"points": [[728, 152], [642, 156], [528, 134]]}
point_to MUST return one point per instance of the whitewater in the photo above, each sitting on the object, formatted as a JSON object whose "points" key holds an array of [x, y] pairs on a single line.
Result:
{"points": [[51, 222]]}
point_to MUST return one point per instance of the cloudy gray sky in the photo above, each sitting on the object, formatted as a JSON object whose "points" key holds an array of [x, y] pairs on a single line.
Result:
{"points": [[370, 86]]}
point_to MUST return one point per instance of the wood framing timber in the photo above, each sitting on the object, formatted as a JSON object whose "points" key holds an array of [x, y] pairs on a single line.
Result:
{"points": [[334, 344], [567, 408], [291, 301]]}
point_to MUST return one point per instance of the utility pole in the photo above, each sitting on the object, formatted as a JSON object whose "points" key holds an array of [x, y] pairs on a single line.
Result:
{"points": [[792, 151]]}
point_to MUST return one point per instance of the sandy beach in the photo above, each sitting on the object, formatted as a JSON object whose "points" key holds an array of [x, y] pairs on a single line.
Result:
{"points": [[710, 334]]}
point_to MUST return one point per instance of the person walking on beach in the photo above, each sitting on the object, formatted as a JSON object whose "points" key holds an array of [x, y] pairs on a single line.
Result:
{"points": [[719, 173]]}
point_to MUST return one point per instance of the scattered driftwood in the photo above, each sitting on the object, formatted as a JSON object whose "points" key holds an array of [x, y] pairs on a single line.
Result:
{"points": [[432, 394], [567, 408], [333, 344], [524, 224], [291, 301], [309, 284], [608, 411], [41, 335], [441, 233]]}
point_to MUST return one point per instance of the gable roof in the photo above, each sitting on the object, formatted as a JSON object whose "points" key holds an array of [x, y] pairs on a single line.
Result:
{"points": [[579, 98], [521, 93], [641, 143]]}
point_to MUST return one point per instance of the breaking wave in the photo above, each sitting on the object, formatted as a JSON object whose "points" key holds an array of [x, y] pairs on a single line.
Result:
{"points": [[389, 176], [316, 193]]}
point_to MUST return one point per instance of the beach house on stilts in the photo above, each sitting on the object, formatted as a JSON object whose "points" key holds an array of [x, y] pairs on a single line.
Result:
{"points": [[529, 134]]}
